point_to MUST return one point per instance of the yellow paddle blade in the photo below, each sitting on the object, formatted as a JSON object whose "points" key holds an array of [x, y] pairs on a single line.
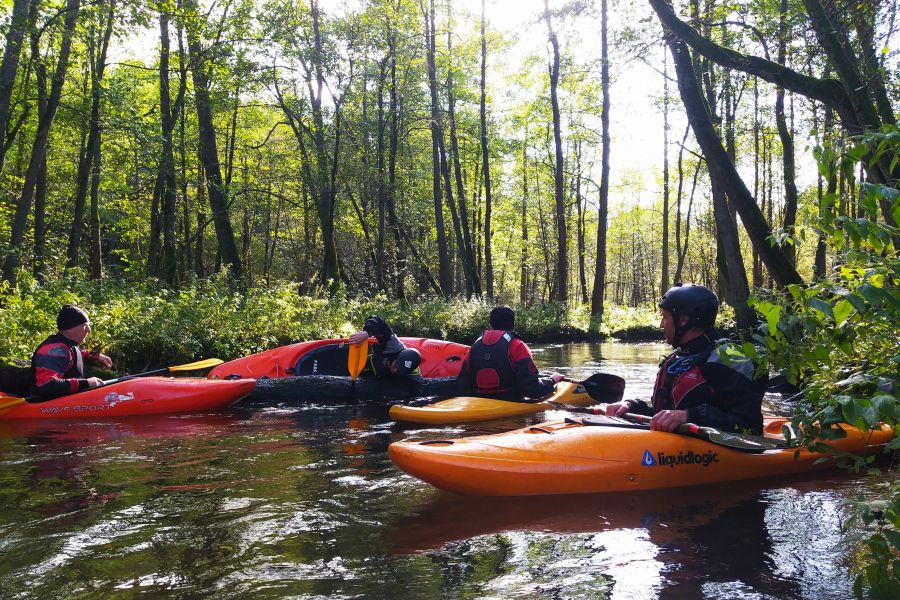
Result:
{"points": [[356, 359], [200, 364], [10, 401]]}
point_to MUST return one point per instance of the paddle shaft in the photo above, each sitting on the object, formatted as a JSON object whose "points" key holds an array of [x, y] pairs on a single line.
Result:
{"points": [[735, 441]]}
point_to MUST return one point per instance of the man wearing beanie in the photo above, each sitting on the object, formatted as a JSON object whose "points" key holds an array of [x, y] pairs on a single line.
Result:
{"points": [[57, 366], [500, 364]]}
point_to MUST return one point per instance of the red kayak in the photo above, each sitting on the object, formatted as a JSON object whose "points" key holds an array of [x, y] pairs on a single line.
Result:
{"points": [[135, 397], [329, 357]]}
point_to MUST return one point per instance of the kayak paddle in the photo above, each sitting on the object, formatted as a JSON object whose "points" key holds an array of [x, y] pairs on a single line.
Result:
{"points": [[10, 401], [356, 359], [735, 441], [7, 402], [602, 387], [194, 366]]}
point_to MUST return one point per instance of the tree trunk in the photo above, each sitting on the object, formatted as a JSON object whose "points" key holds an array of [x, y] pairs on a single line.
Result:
{"points": [[94, 219], [97, 50], [848, 95], [664, 279], [9, 67], [562, 236], [445, 277], [486, 169], [391, 198], [209, 156], [381, 191], [599, 290], [787, 144], [39, 147], [468, 250], [40, 190], [718, 160], [523, 291], [168, 117], [581, 211]]}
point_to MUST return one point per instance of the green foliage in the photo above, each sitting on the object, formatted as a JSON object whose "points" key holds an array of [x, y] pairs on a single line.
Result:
{"points": [[144, 325], [838, 339]]}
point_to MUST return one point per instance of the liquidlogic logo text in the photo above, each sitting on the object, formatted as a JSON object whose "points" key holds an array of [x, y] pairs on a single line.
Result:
{"points": [[682, 458]]}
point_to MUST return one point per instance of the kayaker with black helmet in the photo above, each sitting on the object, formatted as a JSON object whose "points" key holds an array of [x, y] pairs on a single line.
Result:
{"points": [[57, 365], [389, 355], [500, 364], [706, 380]]}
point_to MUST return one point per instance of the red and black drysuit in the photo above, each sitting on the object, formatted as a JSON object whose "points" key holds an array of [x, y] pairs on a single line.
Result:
{"points": [[500, 365], [57, 367], [716, 387]]}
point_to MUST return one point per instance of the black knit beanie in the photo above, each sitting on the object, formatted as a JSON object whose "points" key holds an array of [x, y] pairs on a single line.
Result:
{"points": [[69, 316], [503, 317]]}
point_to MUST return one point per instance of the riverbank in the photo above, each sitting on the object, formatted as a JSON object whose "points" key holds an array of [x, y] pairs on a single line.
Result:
{"points": [[142, 324]]}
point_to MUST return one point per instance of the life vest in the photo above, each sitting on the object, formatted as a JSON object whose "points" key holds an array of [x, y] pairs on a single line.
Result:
{"points": [[489, 365], [75, 371], [677, 376]]}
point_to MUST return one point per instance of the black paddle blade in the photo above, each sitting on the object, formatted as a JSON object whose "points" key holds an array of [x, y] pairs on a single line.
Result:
{"points": [[604, 387], [736, 441], [605, 421]]}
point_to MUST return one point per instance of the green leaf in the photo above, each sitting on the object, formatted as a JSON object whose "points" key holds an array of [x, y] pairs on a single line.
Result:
{"points": [[870, 293], [772, 313], [821, 306], [858, 303], [842, 310], [885, 406]]}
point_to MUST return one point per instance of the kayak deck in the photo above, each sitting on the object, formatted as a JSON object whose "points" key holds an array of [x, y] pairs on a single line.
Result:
{"points": [[469, 409], [440, 358], [570, 458], [139, 396]]}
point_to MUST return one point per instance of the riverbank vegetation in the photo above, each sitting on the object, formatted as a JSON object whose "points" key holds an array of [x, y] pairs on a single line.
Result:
{"points": [[145, 324], [213, 179]]}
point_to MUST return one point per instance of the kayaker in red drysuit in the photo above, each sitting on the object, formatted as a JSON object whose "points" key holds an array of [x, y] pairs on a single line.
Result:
{"points": [[389, 355], [706, 381], [57, 365], [500, 365]]}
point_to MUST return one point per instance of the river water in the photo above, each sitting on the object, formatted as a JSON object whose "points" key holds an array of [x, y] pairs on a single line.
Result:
{"points": [[303, 502]]}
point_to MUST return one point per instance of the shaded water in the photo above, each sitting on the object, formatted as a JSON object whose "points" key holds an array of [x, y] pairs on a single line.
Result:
{"points": [[303, 502]]}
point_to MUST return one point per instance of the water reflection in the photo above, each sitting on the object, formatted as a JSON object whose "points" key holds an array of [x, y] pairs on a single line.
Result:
{"points": [[303, 501]]}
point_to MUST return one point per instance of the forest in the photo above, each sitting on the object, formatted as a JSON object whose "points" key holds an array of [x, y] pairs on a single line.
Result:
{"points": [[223, 176], [395, 147]]}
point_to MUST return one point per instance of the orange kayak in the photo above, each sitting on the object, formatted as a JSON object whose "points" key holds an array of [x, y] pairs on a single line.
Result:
{"points": [[470, 409], [329, 357], [571, 458], [135, 397]]}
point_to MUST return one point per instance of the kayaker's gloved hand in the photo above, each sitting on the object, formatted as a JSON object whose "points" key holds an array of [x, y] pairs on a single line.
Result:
{"points": [[617, 409], [556, 377], [94, 382], [358, 337], [102, 360], [668, 420]]}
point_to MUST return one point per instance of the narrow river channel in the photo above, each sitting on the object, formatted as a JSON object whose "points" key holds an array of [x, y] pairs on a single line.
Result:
{"points": [[303, 502]]}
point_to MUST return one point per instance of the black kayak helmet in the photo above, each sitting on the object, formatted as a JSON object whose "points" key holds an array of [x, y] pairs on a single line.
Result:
{"points": [[696, 301], [406, 362]]}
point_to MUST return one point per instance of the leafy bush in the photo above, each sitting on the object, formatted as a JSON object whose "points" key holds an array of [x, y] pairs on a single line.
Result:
{"points": [[838, 339]]}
